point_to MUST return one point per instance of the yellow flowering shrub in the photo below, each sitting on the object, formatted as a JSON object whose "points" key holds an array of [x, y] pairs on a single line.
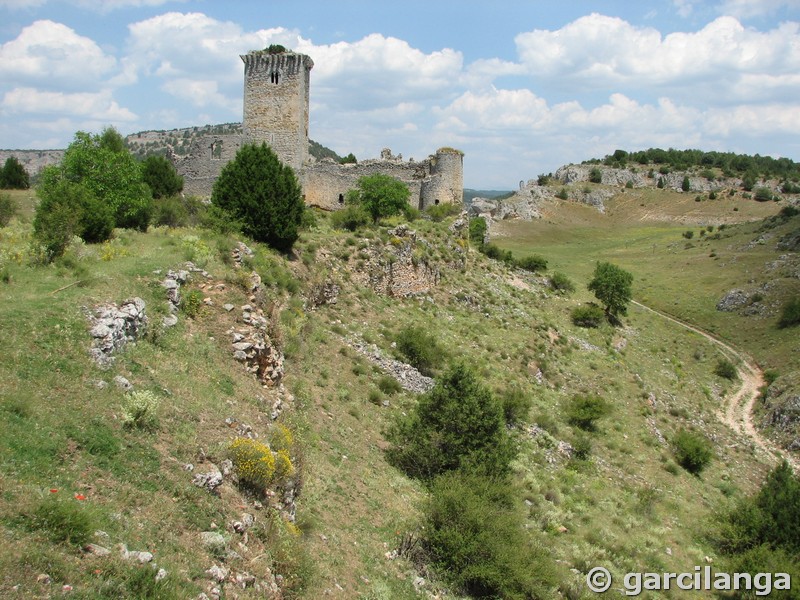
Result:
{"points": [[281, 438], [283, 465], [253, 462]]}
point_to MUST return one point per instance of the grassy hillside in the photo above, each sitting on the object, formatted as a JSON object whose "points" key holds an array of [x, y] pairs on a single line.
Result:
{"points": [[625, 504]]}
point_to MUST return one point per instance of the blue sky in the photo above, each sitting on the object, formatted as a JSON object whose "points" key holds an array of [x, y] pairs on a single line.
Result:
{"points": [[521, 87]]}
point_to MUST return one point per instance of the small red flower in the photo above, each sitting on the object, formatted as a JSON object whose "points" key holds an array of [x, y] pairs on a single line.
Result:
{"points": [[80, 497], [53, 490]]}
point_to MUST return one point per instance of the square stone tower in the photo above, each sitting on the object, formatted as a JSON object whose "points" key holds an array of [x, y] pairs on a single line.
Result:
{"points": [[276, 89]]}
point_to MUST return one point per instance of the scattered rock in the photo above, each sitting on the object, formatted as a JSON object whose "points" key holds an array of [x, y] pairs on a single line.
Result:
{"points": [[217, 573], [407, 376], [96, 550], [210, 480], [113, 327], [123, 383], [212, 540]]}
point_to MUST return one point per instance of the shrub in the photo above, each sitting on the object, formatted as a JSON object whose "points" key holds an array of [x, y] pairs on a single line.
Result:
{"points": [[562, 194], [477, 230], [161, 177], [516, 404], [256, 189], [140, 410], [103, 165], [13, 175], [790, 314], [689, 234], [350, 218], [64, 520], [588, 315], [532, 263], [613, 287], [8, 208], [790, 187], [171, 212], [582, 447], [686, 185], [458, 424], [692, 451], [192, 303], [494, 252], [763, 194], [389, 385], [559, 282], [725, 369], [380, 195], [439, 212], [474, 536], [583, 411], [253, 462], [419, 347], [789, 211], [596, 175]]}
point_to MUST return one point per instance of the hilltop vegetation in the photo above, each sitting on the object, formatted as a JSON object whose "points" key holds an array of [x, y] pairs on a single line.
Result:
{"points": [[728, 164], [298, 422]]}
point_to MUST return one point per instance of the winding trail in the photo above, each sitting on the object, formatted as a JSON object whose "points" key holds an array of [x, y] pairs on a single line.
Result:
{"points": [[737, 409]]}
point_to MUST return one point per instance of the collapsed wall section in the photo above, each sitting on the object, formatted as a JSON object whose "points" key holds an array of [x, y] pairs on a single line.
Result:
{"points": [[201, 166], [326, 183]]}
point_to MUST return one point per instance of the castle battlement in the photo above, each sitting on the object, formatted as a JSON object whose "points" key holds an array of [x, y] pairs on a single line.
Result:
{"points": [[276, 112]]}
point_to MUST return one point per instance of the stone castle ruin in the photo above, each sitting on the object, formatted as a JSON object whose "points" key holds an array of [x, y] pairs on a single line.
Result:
{"points": [[276, 111]]}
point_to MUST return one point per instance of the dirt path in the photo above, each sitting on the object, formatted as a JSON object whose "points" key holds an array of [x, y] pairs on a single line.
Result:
{"points": [[737, 409]]}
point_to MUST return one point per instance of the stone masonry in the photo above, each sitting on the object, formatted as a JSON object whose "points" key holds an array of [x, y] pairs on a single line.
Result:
{"points": [[276, 112]]}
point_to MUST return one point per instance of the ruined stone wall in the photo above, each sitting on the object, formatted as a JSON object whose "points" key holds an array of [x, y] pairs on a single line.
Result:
{"points": [[276, 103], [204, 162], [446, 183], [326, 183]]}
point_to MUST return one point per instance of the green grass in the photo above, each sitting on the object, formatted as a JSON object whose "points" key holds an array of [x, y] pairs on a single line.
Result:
{"points": [[622, 505], [686, 282]]}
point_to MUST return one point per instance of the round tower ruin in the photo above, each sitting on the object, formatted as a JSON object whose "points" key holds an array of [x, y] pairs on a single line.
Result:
{"points": [[446, 182], [276, 98]]}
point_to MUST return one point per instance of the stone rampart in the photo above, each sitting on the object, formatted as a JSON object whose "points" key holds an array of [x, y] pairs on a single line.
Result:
{"points": [[204, 162]]}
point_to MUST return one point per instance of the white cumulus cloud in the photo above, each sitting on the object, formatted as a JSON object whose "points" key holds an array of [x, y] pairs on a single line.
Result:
{"points": [[49, 54], [100, 105]]}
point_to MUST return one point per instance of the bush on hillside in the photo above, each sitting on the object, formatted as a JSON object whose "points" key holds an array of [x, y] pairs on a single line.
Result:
{"points": [[477, 230], [8, 208], [686, 185], [532, 263], [584, 411], [103, 165], [588, 315], [263, 194], [459, 424], [380, 195], [725, 369], [516, 404], [68, 209], [419, 348], [692, 451], [763, 194], [351, 218], [439, 212], [688, 234], [559, 282], [790, 314], [474, 536], [596, 175], [494, 252]]}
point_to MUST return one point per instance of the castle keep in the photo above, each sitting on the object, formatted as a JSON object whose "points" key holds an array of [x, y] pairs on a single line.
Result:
{"points": [[276, 111]]}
